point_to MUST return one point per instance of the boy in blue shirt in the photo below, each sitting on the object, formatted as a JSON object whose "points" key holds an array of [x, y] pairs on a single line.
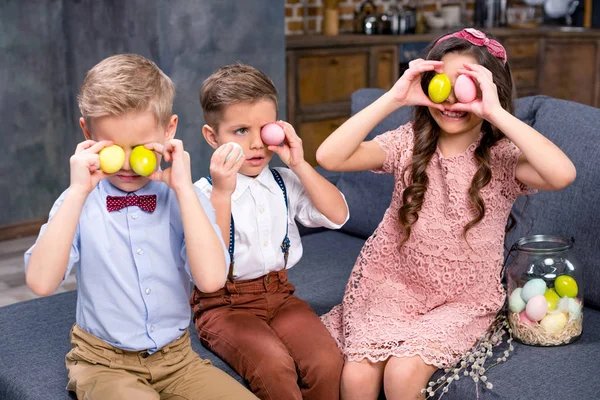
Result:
{"points": [[135, 243]]}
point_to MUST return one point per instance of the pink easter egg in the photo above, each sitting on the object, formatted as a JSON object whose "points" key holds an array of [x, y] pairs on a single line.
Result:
{"points": [[272, 134], [537, 307], [465, 90], [524, 319]]}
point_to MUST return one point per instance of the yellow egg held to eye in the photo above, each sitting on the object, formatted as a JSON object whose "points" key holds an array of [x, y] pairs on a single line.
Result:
{"points": [[142, 161], [439, 88], [111, 159]]}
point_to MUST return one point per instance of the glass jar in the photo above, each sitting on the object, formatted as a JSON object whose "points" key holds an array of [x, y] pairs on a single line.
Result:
{"points": [[545, 291]]}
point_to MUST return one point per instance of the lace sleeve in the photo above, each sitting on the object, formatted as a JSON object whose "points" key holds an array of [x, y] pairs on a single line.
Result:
{"points": [[398, 145], [508, 155]]}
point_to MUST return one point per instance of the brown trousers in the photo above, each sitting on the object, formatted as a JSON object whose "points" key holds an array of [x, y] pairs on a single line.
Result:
{"points": [[273, 339], [100, 371]]}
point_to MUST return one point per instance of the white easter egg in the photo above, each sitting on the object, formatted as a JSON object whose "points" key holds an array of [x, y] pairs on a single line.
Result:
{"points": [[235, 146], [516, 303], [533, 288]]}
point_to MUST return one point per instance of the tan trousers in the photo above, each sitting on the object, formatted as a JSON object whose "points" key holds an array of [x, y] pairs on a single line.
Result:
{"points": [[100, 371]]}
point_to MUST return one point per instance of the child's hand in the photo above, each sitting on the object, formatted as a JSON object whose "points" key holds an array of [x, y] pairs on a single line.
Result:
{"points": [[179, 175], [291, 152], [407, 90], [224, 172], [85, 165], [489, 103]]}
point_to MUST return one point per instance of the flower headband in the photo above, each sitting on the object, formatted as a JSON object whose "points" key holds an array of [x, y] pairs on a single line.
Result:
{"points": [[479, 38]]}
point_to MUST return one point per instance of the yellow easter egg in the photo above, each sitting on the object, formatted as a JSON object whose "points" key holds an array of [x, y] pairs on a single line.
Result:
{"points": [[142, 161], [552, 298], [554, 323], [565, 286], [439, 88], [111, 159]]}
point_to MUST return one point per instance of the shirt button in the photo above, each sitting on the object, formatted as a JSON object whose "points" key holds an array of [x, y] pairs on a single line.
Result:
{"points": [[261, 210], [133, 216], [148, 290], [265, 243], [139, 251], [151, 328]]}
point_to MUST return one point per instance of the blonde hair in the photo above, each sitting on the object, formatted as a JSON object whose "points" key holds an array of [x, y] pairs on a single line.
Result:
{"points": [[124, 83], [231, 84]]}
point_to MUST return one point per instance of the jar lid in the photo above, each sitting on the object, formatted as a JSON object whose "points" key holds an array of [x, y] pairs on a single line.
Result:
{"points": [[544, 243]]}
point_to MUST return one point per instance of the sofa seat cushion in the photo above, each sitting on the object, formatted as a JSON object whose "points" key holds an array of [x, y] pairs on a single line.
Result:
{"points": [[549, 373], [35, 333]]}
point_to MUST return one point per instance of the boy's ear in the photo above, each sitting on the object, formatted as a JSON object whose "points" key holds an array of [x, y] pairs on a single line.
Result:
{"points": [[171, 127], [210, 136], [85, 129]]}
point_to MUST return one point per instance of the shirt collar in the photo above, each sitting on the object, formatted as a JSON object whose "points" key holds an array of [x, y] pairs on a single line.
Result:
{"points": [[265, 179]]}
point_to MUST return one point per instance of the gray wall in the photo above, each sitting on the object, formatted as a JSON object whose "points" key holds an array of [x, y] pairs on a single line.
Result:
{"points": [[47, 47]]}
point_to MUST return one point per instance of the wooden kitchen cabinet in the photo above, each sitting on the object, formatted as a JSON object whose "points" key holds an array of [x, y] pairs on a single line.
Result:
{"points": [[316, 132], [570, 70]]}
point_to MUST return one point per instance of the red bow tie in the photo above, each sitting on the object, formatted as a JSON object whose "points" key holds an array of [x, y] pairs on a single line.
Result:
{"points": [[146, 202]]}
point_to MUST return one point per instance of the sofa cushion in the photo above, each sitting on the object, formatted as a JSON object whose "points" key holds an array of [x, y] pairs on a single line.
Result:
{"points": [[35, 333], [369, 194], [572, 212], [35, 340], [549, 373], [321, 275]]}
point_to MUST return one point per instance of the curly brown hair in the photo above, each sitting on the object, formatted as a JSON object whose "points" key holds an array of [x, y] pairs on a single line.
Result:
{"points": [[427, 133]]}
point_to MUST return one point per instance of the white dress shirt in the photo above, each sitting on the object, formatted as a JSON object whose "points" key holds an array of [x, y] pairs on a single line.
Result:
{"points": [[258, 209]]}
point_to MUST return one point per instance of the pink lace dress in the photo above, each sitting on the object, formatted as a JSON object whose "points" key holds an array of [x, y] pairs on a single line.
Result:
{"points": [[435, 296]]}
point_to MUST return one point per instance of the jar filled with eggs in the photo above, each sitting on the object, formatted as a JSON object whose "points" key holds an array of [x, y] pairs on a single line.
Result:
{"points": [[545, 291]]}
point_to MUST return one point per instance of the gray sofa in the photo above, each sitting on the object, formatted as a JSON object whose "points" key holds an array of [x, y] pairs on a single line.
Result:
{"points": [[34, 334]]}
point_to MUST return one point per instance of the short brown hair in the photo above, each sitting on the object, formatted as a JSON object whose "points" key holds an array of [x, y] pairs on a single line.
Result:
{"points": [[123, 83], [231, 84]]}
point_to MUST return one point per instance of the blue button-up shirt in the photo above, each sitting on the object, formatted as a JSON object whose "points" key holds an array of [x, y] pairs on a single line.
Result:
{"points": [[133, 279]]}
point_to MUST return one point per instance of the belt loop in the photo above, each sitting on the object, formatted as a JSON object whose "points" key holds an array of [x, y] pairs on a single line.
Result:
{"points": [[282, 275], [231, 287]]}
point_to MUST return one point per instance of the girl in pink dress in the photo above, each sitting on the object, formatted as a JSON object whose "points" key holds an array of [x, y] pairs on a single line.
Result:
{"points": [[427, 283]]}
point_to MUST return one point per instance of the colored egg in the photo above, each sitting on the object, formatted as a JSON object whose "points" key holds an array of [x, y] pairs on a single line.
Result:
{"points": [[439, 88], [537, 307], [554, 323], [516, 303], [533, 288], [235, 149], [524, 319], [552, 298], [111, 159], [272, 134], [565, 285], [574, 308], [142, 161], [465, 89]]}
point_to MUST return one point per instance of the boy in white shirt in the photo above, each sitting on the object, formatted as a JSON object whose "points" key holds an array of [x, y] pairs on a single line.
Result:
{"points": [[255, 323]]}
